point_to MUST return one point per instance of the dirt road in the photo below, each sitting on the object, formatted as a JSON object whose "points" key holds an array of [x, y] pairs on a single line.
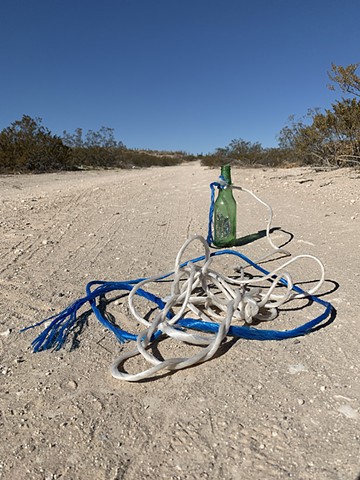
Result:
{"points": [[259, 410]]}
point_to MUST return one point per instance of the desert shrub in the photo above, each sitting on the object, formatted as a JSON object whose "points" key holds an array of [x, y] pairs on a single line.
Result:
{"points": [[26, 145], [240, 153]]}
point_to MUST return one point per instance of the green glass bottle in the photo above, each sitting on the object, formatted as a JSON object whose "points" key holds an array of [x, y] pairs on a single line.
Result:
{"points": [[225, 213]]}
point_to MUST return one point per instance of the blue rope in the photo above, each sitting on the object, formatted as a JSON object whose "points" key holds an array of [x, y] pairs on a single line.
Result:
{"points": [[64, 323]]}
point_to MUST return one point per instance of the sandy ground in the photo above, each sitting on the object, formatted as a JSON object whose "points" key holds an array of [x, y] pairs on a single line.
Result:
{"points": [[259, 410]]}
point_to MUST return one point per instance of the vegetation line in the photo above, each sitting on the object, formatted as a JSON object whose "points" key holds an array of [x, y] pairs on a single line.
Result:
{"points": [[324, 139]]}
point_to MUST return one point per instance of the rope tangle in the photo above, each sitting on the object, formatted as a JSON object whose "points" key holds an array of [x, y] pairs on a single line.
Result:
{"points": [[209, 295]]}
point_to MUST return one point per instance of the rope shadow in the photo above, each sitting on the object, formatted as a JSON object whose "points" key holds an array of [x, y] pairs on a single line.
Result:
{"points": [[224, 348], [335, 287], [330, 320], [81, 323]]}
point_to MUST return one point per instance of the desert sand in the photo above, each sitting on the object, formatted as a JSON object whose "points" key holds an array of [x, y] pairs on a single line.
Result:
{"points": [[258, 410]]}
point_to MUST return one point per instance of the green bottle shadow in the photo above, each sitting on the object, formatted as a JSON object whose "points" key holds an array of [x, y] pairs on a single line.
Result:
{"points": [[261, 234], [239, 242]]}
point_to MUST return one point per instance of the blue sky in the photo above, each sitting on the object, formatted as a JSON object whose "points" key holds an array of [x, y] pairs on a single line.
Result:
{"points": [[179, 75]]}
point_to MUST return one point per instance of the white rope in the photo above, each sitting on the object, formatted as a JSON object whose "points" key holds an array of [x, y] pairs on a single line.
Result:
{"points": [[268, 225], [210, 295]]}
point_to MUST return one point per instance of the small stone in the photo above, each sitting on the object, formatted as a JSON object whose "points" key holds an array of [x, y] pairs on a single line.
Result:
{"points": [[72, 385], [301, 401], [6, 333], [349, 412], [293, 369]]}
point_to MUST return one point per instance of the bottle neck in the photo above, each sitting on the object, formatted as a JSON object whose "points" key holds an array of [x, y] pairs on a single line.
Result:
{"points": [[226, 173]]}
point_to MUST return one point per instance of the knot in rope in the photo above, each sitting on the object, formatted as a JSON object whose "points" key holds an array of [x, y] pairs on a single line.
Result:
{"points": [[222, 182]]}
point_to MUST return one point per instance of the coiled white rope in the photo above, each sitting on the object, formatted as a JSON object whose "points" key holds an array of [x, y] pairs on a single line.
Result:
{"points": [[210, 295]]}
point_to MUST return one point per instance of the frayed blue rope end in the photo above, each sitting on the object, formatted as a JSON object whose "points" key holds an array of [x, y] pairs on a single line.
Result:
{"points": [[67, 322], [57, 331]]}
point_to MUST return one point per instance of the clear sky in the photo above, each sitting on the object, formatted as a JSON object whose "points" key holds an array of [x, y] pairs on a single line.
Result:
{"points": [[172, 74]]}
